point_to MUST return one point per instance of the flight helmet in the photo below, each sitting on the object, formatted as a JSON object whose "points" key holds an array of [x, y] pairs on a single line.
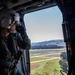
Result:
{"points": [[7, 18]]}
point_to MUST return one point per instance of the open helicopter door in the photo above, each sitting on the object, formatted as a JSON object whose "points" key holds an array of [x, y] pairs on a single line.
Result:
{"points": [[61, 6], [24, 64], [67, 8]]}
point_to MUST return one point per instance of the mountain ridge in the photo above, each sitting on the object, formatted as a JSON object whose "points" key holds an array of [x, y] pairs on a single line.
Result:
{"points": [[51, 44]]}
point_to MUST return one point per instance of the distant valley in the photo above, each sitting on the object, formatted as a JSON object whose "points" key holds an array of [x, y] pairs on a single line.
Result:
{"points": [[51, 44]]}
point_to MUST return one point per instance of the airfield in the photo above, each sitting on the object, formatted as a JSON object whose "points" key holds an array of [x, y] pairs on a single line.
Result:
{"points": [[45, 61]]}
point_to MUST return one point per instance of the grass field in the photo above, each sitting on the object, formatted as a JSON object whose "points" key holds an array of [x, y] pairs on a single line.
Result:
{"points": [[45, 66]]}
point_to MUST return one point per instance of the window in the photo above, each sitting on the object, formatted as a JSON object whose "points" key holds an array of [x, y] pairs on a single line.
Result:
{"points": [[45, 31]]}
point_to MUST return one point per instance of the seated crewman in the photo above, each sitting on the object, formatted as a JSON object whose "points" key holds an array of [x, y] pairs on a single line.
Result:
{"points": [[8, 49]]}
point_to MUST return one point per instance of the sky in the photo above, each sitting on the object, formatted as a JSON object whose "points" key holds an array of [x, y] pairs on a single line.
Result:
{"points": [[44, 25]]}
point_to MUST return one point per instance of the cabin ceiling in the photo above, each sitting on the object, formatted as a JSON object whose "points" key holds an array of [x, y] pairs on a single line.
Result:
{"points": [[26, 6]]}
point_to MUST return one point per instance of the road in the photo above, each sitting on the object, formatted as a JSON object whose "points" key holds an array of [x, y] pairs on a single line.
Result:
{"points": [[45, 60]]}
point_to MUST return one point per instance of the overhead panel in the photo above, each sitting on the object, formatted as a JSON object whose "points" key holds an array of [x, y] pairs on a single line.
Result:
{"points": [[27, 6], [34, 5], [14, 3]]}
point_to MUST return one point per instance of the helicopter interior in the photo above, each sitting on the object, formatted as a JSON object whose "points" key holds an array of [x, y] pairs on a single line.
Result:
{"points": [[67, 8]]}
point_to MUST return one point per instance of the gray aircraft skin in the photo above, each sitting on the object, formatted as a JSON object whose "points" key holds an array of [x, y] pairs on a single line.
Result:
{"points": [[67, 8]]}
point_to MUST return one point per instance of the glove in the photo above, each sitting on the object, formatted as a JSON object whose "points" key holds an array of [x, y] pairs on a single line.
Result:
{"points": [[21, 29], [9, 64]]}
